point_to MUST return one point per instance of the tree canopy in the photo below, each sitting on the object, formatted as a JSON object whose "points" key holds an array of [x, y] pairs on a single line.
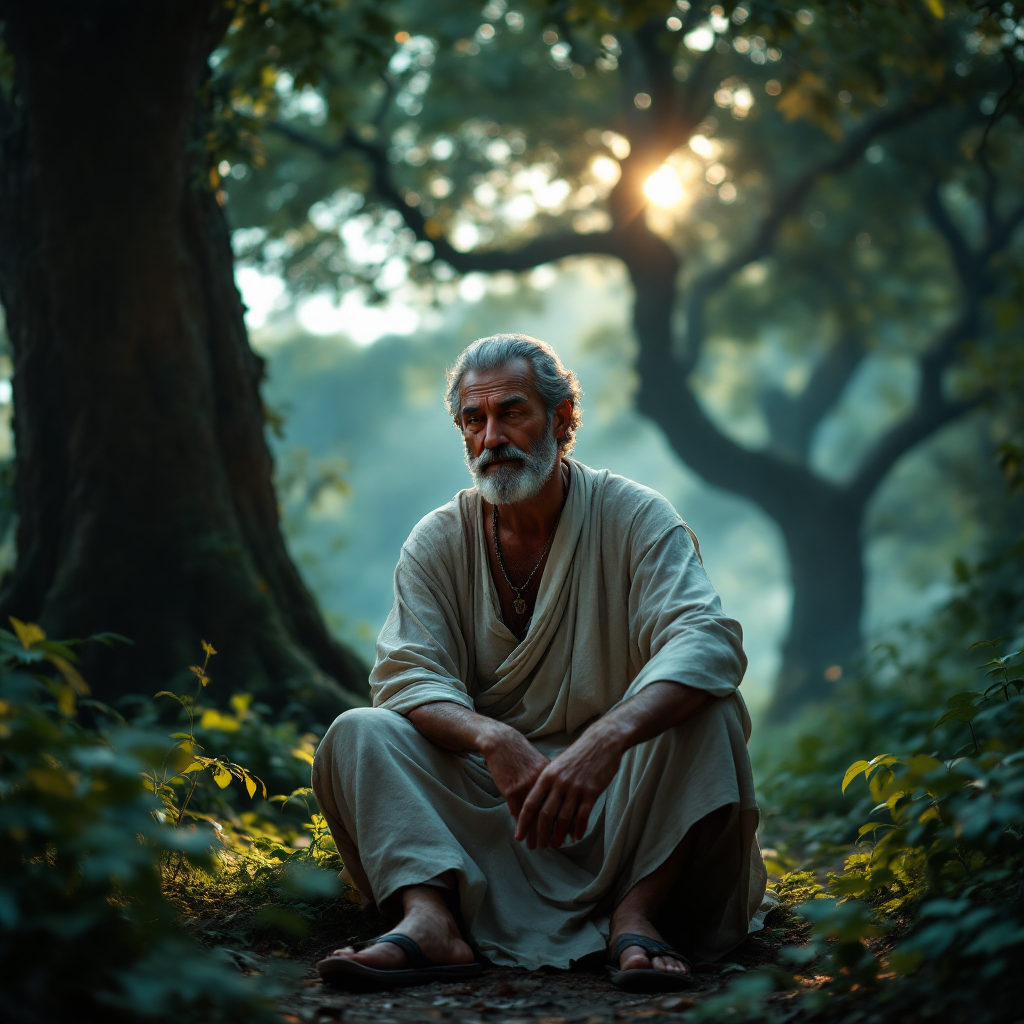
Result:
{"points": [[802, 197]]}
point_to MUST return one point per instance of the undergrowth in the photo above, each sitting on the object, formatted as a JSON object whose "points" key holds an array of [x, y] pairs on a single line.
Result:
{"points": [[894, 827]]}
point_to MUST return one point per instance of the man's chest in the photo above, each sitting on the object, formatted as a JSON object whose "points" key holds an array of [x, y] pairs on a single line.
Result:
{"points": [[516, 570]]}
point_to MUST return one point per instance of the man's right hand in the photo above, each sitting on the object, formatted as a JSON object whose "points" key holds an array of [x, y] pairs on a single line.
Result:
{"points": [[514, 762]]}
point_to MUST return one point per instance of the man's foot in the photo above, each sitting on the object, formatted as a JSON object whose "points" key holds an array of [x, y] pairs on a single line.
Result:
{"points": [[635, 958], [429, 923]]}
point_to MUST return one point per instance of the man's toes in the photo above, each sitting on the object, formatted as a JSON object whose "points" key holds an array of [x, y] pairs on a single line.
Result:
{"points": [[634, 959], [669, 964], [383, 955]]}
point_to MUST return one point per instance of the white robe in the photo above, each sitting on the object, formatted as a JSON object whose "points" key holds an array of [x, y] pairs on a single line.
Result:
{"points": [[623, 602]]}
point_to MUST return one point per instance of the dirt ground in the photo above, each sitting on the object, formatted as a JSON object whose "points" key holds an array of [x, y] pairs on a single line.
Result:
{"points": [[505, 995]]}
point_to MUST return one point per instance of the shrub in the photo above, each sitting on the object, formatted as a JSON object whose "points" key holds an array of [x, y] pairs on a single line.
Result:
{"points": [[85, 931]]}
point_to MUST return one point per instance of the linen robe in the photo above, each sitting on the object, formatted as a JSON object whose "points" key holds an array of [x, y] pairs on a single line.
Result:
{"points": [[623, 602]]}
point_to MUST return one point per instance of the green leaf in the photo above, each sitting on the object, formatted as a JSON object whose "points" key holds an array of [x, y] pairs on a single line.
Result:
{"points": [[964, 699], [854, 884], [961, 714], [989, 643], [905, 961], [853, 771]]}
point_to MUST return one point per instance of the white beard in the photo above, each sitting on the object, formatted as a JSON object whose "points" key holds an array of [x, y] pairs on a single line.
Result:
{"points": [[512, 482]]}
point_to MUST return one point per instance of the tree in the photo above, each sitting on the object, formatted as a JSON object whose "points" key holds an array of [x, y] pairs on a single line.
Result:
{"points": [[143, 479], [849, 170]]}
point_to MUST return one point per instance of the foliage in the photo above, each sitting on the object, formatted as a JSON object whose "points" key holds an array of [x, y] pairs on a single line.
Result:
{"points": [[183, 763], [274, 862], [85, 930], [917, 851]]}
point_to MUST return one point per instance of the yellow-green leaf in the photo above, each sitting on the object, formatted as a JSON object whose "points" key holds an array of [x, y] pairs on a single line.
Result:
{"points": [[208, 648], [936, 7], [214, 719], [250, 786], [240, 703], [199, 674], [883, 760], [70, 674], [853, 771], [303, 755], [27, 632], [65, 697], [222, 777]]}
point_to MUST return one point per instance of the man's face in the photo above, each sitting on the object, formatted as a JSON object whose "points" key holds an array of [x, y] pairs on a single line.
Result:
{"points": [[510, 445]]}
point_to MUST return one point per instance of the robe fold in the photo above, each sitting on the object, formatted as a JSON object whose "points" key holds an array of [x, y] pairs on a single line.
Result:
{"points": [[623, 602]]}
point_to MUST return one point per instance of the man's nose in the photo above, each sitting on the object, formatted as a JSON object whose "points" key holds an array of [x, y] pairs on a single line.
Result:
{"points": [[494, 435]]}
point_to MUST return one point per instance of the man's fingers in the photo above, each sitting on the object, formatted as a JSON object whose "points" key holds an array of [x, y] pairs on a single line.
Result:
{"points": [[549, 813], [563, 823], [582, 818], [531, 805]]}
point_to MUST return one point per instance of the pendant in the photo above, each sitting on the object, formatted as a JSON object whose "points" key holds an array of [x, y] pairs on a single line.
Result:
{"points": [[519, 605]]}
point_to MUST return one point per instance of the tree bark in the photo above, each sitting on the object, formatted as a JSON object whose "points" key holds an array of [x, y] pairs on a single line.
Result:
{"points": [[143, 478], [823, 541]]}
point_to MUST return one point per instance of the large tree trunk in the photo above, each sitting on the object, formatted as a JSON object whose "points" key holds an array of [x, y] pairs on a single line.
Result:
{"points": [[143, 483], [820, 523], [827, 573]]}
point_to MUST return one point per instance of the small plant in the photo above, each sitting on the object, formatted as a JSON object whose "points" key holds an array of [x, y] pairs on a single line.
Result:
{"points": [[184, 764]]}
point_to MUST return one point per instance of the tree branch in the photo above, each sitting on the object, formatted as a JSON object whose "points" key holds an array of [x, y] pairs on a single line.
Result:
{"points": [[546, 249], [965, 262], [783, 205], [930, 413], [932, 409], [793, 420]]}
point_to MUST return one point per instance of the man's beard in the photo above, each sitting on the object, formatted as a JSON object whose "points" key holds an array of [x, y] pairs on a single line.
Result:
{"points": [[516, 481]]}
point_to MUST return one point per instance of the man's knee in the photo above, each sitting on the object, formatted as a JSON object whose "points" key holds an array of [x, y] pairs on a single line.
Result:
{"points": [[359, 731]]}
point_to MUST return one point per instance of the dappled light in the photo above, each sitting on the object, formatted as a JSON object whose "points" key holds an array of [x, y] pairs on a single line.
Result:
{"points": [[763, 594]]}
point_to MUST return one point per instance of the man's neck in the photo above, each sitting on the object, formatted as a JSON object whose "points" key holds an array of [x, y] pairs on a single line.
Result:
{"points": [[536, 518]]}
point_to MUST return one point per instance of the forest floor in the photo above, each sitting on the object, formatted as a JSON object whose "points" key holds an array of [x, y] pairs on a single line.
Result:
{"points": [[504, 995]]}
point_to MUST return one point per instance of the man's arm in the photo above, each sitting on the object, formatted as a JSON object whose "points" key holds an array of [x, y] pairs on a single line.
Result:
{"points": [[514, 763], [565, 792]]}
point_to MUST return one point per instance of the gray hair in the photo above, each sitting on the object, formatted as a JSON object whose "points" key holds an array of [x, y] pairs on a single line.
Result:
{"points": [[552, 380]]}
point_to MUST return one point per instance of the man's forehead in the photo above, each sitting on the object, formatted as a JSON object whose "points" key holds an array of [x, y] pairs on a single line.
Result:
{"points": [[514, 378]]}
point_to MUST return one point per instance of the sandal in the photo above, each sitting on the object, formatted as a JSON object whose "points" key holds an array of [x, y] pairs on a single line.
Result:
{"points": [[350, 974], [647, 979]]}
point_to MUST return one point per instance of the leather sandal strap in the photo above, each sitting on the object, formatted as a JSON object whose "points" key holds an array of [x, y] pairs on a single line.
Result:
{"points": [[652, 947], [410, 947]]}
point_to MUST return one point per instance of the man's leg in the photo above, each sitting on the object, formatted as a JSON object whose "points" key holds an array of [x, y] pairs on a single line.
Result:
{"points": [[428, 921], [640, 908], [391, 799]]}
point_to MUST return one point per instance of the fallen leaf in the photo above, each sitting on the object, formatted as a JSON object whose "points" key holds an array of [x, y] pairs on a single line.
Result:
{"points": [[677, 1003]]}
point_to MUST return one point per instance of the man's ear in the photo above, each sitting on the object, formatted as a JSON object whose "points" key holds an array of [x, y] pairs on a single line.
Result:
{"points": [[562, 419]]}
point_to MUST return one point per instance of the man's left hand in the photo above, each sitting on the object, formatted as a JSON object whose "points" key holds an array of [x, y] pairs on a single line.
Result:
{"points": [[567, 789], [560, 802]]}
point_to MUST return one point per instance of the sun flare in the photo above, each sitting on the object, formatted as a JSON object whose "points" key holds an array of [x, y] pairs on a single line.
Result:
{"points": [[663, 187]]}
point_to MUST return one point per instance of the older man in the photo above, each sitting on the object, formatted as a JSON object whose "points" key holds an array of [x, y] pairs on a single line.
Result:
{"points": [[555, 761]]}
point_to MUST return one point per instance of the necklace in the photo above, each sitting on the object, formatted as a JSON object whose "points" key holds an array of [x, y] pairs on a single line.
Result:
{"points": [[519, 604]]}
